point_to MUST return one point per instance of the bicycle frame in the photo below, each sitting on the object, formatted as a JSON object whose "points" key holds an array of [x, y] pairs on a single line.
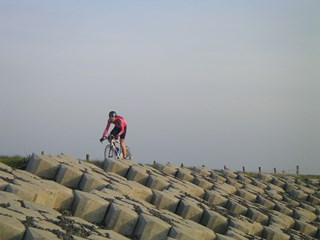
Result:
{"points": [[113, 150]]}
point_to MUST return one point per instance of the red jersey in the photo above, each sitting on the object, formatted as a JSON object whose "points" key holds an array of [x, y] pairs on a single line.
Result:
{"points": [[119, 122]]}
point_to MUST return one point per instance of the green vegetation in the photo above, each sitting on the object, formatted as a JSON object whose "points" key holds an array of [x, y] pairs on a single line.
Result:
{"points": [[15, 161]]}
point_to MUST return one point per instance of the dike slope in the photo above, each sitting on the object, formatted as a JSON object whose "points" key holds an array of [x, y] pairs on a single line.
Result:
{"points": [[60, 197]]}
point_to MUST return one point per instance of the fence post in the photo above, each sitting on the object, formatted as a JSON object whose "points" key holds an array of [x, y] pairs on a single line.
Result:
{"points": [[297, 169], [243, 169], [275, 170], [259, 169], [87, 157]]}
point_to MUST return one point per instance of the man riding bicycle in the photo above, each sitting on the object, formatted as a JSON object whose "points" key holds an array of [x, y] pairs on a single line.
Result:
{"points": [[119, 130]]}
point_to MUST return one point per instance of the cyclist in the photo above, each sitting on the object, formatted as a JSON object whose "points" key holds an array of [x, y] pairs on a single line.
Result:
{"points": [[119, 130]]}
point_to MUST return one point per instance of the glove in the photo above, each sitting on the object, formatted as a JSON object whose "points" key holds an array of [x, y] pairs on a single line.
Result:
{"points": [[102, 139]]}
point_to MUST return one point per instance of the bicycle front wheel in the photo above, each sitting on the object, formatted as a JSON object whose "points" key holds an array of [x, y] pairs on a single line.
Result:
{"points": [[109, 152]]}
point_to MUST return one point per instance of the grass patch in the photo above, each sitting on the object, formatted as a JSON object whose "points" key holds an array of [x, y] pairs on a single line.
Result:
{"points": [[15, 161]]}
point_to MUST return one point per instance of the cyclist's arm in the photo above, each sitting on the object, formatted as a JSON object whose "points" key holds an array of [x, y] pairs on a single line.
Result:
{"points": [[106, 129]]}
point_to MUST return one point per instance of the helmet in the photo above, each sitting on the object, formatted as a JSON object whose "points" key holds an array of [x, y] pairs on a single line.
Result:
{"points": [[112, 114]]}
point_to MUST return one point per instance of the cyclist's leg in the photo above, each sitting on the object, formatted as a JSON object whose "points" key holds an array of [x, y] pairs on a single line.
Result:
{"points": [[122, 144]]}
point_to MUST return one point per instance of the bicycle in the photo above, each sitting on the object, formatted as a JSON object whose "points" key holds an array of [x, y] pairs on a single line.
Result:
{"points": [[113, 150]]}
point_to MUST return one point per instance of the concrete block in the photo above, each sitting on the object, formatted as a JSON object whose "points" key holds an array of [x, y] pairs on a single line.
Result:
{"points": [[6, 176], [203, 171], [253, 189], [68, 176], [308, 207], [246, 195], [107, 234], [187, 187], [236, 208], [227, 188], [223, 237], [314, 200], [244, 179], [89, 207], [278, 182], [63, 196], [274, 233], [187, 229], [278, 219], [138, 174], [290, 186], [267, 178], [234, 183], [151, 228], [237, 234], [23, 192], [165, 200], [280, 207], [91, 182], [25, 176], [116, 166], [275, 188], [306, 228], [12, 213], [38, 234], [184, 174], [308, 190], [44, 166], [189, 210], [214, 221], [5, 168], [274, 195], [204, 184], [7, 198], [11, 228], [298, 194], [3, 185], [217, 178], [302, 214], [168, 168], [229, 174], [257, 216], [215, 198], [157, 182], [121, 219], [258, 183], [245, 226], [265, 202], [290, 202], [132, 189]]}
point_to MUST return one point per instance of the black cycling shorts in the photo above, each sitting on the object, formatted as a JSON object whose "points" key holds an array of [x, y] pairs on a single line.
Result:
{"points": [[115, 131]]}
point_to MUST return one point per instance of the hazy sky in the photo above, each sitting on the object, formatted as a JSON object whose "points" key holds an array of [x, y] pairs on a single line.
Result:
{"points": [[212, 83]]}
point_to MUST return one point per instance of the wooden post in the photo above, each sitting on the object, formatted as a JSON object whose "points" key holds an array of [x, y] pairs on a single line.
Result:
{"points": [[87, 157], [259, 169], [297, 169], [275, 170], [243, 169]]}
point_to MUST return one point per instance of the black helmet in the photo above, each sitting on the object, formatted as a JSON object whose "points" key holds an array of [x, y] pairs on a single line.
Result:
{"points": [[112, 114]]}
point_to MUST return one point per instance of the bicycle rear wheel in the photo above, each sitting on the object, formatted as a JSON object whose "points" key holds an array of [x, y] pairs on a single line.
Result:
{"points": [[129, 153], [109, 152]]}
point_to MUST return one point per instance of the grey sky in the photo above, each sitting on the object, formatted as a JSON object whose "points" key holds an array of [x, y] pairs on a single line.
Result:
{"points": [[217, 83]]}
